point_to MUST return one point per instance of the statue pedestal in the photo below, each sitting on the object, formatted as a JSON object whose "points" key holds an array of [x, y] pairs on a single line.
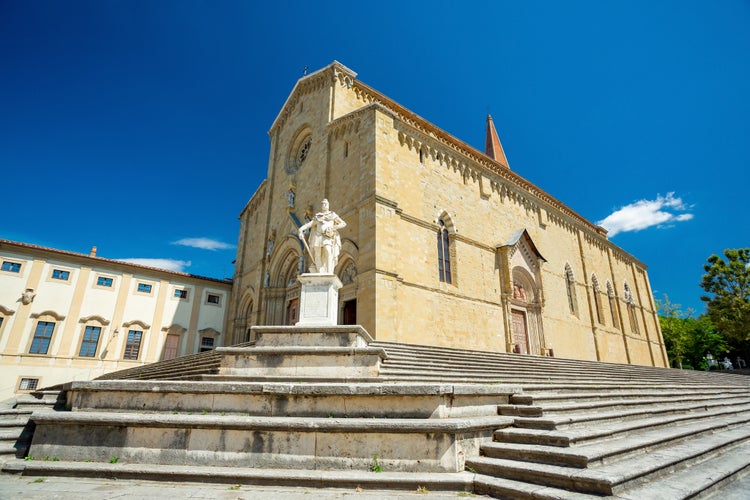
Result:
{"points": [[319, 299]]}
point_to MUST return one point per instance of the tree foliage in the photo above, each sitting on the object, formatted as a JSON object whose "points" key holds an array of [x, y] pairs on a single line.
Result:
{"points": [[674, 330], [728, 283], [689, 339]]}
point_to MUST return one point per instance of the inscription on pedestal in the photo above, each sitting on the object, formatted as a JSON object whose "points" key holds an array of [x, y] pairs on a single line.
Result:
{"points": [[316, 301], [319, 299]]}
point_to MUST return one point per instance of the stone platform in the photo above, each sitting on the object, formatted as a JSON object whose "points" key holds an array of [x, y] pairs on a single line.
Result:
{"points": [[342, 405]]}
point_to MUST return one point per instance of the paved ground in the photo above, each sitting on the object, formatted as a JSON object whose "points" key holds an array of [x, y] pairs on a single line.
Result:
{"points": [[22, 487], [13, 486]]}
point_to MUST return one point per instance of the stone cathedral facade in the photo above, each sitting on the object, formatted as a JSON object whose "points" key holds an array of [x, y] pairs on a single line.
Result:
{"points": [[444, 245]]}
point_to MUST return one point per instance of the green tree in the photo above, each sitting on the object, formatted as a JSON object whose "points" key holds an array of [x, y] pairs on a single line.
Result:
{"points": [[674, 330], [704, 339], [728, 283], [689, 339]]}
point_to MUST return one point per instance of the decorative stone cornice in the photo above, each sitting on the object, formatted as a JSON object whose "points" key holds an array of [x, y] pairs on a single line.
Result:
{"points": [[58, 317], [96, 318], [6, 312], [136, 322], [209, 331], [174, 328]]}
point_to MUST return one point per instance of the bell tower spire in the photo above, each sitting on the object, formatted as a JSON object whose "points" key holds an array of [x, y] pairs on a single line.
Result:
{"points": [[492, 146]]}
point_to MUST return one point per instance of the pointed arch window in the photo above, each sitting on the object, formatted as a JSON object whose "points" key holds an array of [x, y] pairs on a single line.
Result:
{"points": [[632, 316], [611, 299], [597, 300], [570, 287], [444, 253]]}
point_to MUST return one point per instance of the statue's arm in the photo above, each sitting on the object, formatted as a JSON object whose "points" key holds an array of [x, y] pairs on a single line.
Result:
{"points": [[339, 223], [304, 226]]}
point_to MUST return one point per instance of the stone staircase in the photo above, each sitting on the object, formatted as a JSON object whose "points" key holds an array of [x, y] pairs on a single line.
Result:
{"points": [[585, 429], [342, 410], [16, 430], [190, 367]]}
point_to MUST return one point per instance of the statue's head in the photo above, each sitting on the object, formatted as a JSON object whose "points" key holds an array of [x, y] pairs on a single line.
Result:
{"points": [[324, 205]]}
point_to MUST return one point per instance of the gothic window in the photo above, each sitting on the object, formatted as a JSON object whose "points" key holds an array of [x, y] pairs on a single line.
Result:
{"points": [[444, 253], [632, 316], [570, 285], [597, 300], [611, 299], [298, 152]]}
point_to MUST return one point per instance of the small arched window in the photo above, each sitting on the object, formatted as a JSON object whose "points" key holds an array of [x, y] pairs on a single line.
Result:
{"points": [[631, 309], [611, 299], [597, 299], [570, 287], [444, 253]]}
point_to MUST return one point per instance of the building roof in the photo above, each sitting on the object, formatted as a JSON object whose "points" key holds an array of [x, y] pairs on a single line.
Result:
{"points": [[94, 260]]}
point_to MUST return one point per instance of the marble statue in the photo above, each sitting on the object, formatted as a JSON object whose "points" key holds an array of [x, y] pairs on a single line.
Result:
{"points": [[325, 242]]}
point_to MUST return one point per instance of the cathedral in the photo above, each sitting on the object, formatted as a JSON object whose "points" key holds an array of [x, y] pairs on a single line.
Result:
{"points": [[444, 244]]}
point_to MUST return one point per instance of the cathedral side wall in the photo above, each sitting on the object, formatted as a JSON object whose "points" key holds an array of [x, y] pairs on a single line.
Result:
{"points": [[418, 183]]}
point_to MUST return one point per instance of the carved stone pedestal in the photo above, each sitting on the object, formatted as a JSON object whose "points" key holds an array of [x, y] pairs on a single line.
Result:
{"points": [[319, 300]]}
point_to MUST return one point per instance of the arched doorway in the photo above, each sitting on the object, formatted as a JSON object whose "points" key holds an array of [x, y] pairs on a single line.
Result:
{"points": [[522, 298], [281, 290], [525, 313]]}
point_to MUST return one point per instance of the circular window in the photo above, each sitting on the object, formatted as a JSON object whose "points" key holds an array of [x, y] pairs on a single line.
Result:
{"points": [[299, 154]]}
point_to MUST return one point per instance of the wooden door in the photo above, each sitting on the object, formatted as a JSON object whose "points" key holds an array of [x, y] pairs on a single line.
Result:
{"points": [[292, 312], [170, 346], [520, 337]]}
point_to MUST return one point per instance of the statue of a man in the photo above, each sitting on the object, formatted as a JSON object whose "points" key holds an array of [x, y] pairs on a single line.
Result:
{"points": [[325, 242]]}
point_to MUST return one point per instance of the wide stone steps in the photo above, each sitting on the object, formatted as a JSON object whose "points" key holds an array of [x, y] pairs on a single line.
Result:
{"points": [[531, 396], [413, 368], [609, 426], [14, 435], [720, 471], [583, 429], [626, 404], [634, 469], [448, 360], [192, 366], [617, 446], [594, 419], [348, 479], [598, 405]]}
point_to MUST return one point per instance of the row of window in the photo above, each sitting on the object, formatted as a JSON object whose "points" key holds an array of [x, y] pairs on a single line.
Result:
{"points": [[108, 282], [90, 342], [43, 337], [445, 276], [629, 300]]}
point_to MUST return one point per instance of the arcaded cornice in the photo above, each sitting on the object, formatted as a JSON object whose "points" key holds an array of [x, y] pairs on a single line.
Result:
{"points": [[255, 200]]}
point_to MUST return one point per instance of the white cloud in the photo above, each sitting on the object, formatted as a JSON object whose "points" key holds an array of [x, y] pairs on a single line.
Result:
{"points": [[204, 243], [168, 264], [642, 214]]}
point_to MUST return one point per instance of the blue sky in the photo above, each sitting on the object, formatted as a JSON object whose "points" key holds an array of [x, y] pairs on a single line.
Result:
{"points": [[141, 126]]}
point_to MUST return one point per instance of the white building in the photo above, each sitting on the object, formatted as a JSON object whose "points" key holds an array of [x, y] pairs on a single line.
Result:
{"points": [[67, 316]]}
